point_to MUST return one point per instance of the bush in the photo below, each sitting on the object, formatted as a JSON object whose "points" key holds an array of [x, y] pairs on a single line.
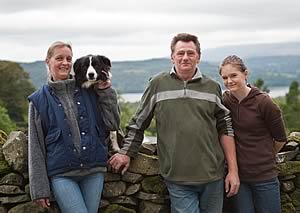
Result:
{"points": [[6, 124]]}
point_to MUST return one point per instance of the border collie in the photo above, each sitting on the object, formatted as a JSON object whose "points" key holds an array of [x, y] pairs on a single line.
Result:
{"points": [[89, 70]]}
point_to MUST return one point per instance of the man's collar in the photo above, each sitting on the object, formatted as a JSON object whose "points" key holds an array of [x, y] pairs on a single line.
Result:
{"points": [[197, 75]]}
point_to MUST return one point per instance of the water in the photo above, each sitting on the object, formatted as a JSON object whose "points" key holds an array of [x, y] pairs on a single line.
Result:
{"points": [[274, 93], [278, 91], [132, 97]]}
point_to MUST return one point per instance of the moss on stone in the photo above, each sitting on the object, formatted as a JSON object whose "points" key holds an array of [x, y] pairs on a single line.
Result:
{"points": [[295, 195], [288, 208], [154, 184], [285, 198], [4, 167], [118, 208], [289, 168]]}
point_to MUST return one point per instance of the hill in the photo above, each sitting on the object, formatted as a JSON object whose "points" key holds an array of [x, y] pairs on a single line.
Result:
{"points": [[132, 76], [252, 51]]}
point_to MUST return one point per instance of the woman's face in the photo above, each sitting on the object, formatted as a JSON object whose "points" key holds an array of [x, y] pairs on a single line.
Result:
{"points": [[233, 78], [60, 63]]}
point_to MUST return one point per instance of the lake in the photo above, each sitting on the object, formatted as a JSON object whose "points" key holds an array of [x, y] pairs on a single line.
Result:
{"points": [[274, 93]]}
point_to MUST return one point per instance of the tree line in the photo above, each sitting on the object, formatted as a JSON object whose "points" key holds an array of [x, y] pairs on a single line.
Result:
{"points": [[15, 86], [289, 105]]}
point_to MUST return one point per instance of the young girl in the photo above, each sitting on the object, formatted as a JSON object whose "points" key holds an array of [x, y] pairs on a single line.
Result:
{"points": [[259, 134]]}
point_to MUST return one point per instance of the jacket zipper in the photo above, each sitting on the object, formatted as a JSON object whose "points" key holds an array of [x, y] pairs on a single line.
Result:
{"points": [[238, 111], [184, 87]]}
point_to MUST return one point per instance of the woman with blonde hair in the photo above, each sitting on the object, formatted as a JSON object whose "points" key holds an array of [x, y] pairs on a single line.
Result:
{"points": [[67, 137]]}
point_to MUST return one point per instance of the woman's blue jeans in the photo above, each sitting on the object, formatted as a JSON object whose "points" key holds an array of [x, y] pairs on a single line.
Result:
{"points": [[78, 194], [201, 198], [258, 197]]}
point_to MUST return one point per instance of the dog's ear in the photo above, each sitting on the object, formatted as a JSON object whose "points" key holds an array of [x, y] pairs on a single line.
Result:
{"points": [[79, 71], [76, 66], [104, 59]]}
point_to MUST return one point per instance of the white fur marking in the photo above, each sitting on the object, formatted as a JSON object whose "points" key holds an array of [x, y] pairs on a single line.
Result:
{"points": [[114, 141], [91, 70]]}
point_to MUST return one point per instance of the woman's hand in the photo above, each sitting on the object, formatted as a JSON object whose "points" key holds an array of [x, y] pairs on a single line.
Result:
{"points": [[105, 84], [119, 162], [44, 202]]}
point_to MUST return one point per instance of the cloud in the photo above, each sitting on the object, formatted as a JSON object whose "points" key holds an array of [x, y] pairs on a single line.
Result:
{"points": [[135, 29]]}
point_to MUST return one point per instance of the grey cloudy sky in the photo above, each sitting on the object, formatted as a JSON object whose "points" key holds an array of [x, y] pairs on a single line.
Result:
{"points": [[140, 29]]}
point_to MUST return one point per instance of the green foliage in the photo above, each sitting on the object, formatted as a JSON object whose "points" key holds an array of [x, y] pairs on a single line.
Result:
{"points": [[3, 138], [6, 124], [132, 76], [127, 111], [14, 89], [291, 109], [259, 83]]}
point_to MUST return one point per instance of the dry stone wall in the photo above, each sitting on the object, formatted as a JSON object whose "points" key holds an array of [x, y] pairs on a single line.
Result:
{"points": [[140, 189]]}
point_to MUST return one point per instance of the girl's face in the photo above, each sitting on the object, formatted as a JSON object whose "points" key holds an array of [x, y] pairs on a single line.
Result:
{"points": [[233, 78], [60, 63]]}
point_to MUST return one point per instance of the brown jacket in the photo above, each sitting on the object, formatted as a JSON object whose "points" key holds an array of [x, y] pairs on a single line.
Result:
{"points": [[257, 123]]}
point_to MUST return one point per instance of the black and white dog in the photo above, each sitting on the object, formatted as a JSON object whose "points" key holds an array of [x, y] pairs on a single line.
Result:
{"points": [[89, 70]]}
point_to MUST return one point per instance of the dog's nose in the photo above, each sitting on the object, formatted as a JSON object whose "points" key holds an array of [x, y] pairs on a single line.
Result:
{"points": [[91, 75]]}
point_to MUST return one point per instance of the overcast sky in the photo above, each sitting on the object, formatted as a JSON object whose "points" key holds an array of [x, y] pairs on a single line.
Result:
{"points": [[140, 29]]}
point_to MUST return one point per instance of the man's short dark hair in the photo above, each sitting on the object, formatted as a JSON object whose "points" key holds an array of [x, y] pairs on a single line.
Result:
{"points": [[186, 37]]}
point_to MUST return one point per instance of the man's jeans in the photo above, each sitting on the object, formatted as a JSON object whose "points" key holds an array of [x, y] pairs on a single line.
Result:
{"points": [[202, 198], [258, 197], [78, 194]]}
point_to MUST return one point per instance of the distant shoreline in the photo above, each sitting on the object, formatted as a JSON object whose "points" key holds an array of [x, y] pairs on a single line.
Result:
{"points": [[274, 93]]}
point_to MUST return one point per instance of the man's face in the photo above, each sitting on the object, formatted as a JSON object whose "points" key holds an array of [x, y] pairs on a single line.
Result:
{"points": [[185, 57]]}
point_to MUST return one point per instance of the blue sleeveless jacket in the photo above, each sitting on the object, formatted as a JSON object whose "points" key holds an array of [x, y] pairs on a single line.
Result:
{"points": [[62, 155]]}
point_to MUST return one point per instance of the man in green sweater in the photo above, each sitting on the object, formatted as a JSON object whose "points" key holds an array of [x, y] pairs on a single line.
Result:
{"points": [[194, 131]]}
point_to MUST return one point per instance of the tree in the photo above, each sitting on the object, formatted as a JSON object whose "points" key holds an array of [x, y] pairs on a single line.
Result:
{"points": [[6, 124], [127, 111], [259, 83], [291, 109], [14, 89]]}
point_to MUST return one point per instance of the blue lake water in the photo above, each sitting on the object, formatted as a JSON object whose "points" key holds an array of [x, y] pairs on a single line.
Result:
{"points": [[274, 92]]}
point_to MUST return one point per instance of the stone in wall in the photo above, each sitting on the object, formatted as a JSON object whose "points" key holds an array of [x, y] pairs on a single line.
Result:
{"points": [[297, 180], [145, 190], [288, 208], [289, 173], [132, 189], [124, 200], [114, 189], [140, 189], [4, 167], [12, 179], [132, 177], [15, 151], [11, 190], [145, 165], [3, 209], [154, 184], [295, 195], [118, 208], [146, 206], [14, 199]]}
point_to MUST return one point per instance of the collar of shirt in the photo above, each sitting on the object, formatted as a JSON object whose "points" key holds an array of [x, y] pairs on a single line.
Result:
{"points": [[197, 75]]}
